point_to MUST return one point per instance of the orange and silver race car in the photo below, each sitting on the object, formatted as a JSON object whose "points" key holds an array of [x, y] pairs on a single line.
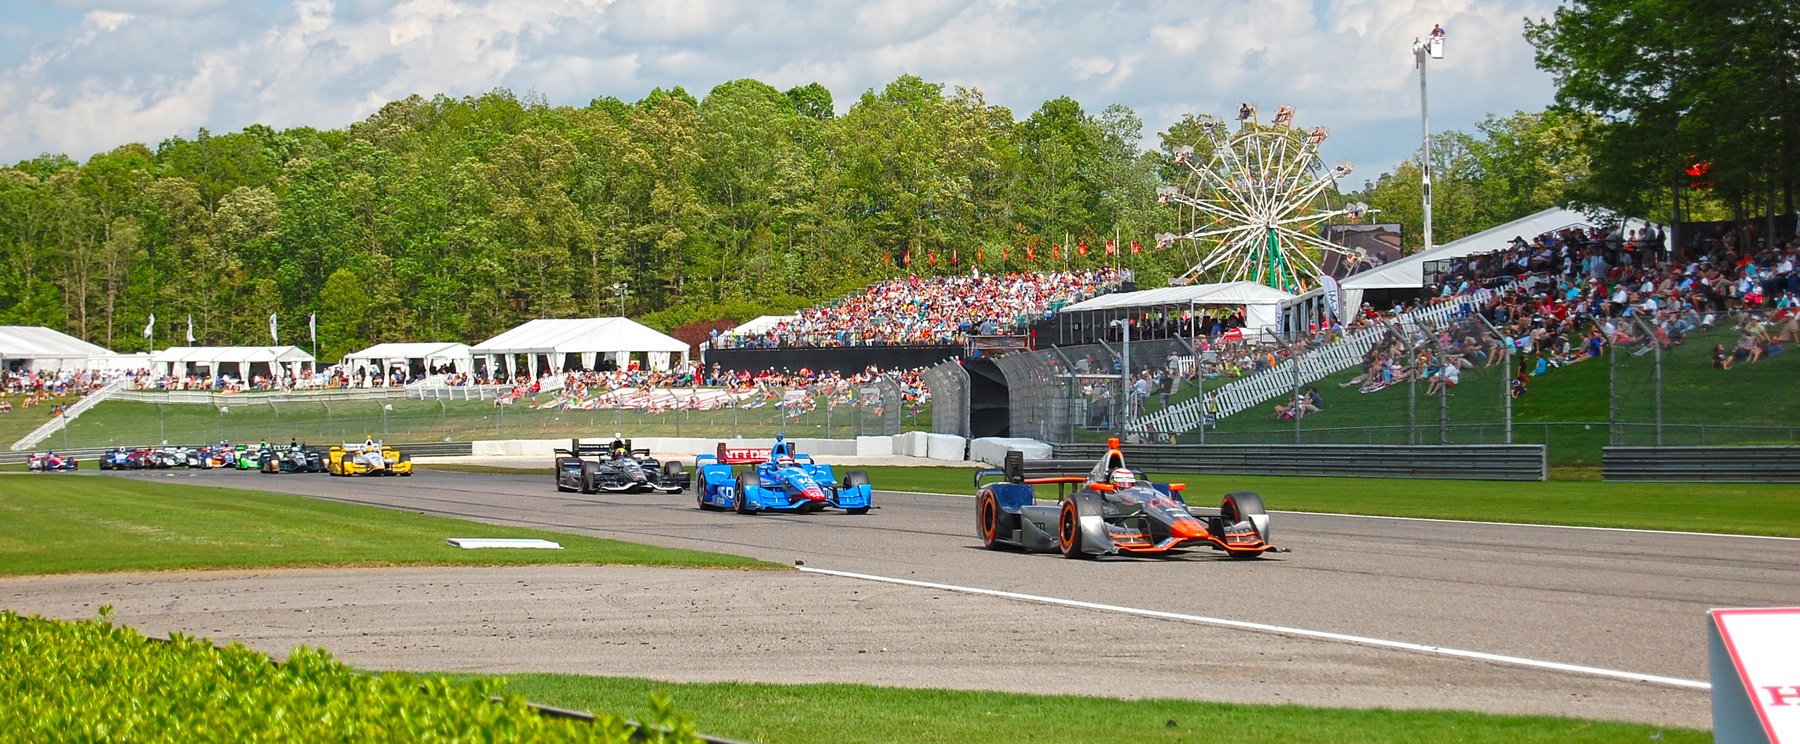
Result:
{"points": [[1107, 508]]}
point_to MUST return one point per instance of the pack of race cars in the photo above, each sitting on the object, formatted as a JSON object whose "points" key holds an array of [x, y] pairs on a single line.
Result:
{"points": [[1098, 508], [370, 457]]}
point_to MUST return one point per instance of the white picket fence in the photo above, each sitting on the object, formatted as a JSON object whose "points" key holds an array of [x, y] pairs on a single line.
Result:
{"points": [[74, 411], [1279, 380]]}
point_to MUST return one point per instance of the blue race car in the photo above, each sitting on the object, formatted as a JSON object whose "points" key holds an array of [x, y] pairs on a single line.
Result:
{"points": [[781, 481]]}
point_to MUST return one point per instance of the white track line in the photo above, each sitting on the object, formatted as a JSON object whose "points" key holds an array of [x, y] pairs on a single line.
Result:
{"points": [[1299, 632], [1550, 526], [1466, 521]]}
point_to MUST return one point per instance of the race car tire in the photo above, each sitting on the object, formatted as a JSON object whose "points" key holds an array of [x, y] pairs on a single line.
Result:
{"points": [[1068, 530], [987, 520], [855, 478], [557, 476], [700, 500], [406, 458], [590, 472], [857, 510], [741, 503], [1237, 507], [671, 473]]}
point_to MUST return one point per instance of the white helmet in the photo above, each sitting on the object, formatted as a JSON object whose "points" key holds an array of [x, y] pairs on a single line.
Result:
{"points": [[1123, 478], [784, 460]]}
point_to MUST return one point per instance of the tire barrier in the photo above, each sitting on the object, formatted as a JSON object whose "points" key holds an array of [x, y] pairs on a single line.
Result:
{"points": [[1509, 462]]}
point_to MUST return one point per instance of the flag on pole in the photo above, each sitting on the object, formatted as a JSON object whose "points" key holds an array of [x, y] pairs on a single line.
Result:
{"points": [[150, 328], [978, 255], [1055, 252], [1081, 249], [312, 327], [190, 335], [1135, 248], [1032, 254], [1111, 250], [273, 335]]}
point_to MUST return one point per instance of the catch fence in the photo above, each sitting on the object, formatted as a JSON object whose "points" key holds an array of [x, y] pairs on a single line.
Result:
{"points": [[879, 408]]}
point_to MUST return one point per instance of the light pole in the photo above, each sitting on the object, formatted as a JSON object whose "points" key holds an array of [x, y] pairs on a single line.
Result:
{"points": [[1422, 51], [1125, 389], [621, 290]]}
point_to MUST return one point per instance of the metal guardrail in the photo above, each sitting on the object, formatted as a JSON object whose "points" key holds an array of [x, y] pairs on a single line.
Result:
{"points": [[1701, 464], [1512, 462]]}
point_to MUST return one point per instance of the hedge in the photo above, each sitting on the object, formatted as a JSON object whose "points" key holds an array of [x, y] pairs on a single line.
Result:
{"points": [[94, 681]]}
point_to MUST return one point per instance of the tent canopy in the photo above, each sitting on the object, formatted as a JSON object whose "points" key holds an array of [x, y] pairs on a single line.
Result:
{"points": [[46, 349], [428, 353], [181, 360], [1409, 272], [761, 323], [1227, 293], [556, 339]]}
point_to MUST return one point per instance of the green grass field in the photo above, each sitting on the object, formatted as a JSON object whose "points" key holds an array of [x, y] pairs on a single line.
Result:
{"points": [[849, 714], [20, 421], [1567, 408], [73, 523]]}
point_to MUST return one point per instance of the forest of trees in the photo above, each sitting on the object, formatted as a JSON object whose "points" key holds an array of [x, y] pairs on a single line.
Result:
{"points": [[453, 219]]}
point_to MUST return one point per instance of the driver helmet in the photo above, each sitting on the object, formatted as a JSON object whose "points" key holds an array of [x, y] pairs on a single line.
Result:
{"points": [[1123, 479], [784, 460]]}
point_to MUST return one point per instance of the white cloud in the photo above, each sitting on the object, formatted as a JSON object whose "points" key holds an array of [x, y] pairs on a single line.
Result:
{"points": [[143, 70]]}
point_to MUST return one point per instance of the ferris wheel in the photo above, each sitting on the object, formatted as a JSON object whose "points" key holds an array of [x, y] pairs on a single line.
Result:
{"points": [[1253, 202]]}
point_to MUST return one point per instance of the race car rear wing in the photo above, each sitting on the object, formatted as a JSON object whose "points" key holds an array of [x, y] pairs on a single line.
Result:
{"points": [[577, 449], [1017, 469], [750, 455]]}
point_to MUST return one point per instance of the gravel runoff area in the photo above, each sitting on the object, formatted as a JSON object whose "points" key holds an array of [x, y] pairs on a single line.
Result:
{"points": [[788, 627]]}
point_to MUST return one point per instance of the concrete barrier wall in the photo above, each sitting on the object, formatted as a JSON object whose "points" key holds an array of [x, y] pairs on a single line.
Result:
{"points": [[945, 447], [680, 446], [992, 450]]}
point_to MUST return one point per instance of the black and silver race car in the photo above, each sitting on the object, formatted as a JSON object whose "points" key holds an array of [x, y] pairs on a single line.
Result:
{"points": [[295, 458], [616, 468], [1108, 508]]}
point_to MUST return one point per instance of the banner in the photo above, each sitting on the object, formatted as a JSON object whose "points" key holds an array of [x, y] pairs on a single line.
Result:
{"points": [[190, 336], [1331, 296], [150, 328], [312, 327], [273, 336]]}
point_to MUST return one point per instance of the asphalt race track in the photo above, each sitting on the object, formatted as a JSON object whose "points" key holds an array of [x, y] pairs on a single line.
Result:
{"points": [[1609, 599]]}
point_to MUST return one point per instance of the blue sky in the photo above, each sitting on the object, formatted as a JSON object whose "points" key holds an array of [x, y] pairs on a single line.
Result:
{"points": [[82, 76]]}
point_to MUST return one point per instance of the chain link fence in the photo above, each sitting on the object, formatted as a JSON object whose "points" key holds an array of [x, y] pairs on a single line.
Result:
{"points": [[949, 386], [869, 410]]}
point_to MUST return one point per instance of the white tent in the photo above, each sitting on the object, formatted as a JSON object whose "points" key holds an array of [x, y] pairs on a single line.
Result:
{"points": [[1261, 304], [414, 356], [39, 348], [1409, 272], [559, 344], [239, 362], [760, 324]]}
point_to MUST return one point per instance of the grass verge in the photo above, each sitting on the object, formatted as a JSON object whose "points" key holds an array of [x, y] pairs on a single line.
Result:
{"points": [[1574, 496], [72, 523], [1577, 497], [847, 714]]}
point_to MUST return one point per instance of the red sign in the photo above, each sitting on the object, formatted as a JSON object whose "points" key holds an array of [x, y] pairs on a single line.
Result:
{"points": [[742, 455]]}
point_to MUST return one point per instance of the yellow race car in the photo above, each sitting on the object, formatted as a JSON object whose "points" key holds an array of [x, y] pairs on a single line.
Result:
{"points": [[368, 458]]}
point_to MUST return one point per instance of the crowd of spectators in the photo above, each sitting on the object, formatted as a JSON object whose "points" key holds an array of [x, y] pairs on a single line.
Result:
{"points": [[930, 311]]}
